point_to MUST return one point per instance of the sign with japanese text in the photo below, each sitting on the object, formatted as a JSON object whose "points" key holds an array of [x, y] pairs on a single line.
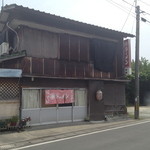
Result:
{"points": [[59, 96], [127, 56], [127, 53]]}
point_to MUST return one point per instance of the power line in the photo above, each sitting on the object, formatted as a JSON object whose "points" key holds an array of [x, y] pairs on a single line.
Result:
{"points": [[146, 13], [120, 7], [132, 26], [145, 3], [127, 15], [129, 3]]}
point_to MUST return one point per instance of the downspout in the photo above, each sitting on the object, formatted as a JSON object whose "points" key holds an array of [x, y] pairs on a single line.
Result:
{"points": [[88, 103], [20, 100]]}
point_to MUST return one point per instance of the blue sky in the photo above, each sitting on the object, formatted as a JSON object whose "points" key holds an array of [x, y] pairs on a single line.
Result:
{"points": [[113, 14]]}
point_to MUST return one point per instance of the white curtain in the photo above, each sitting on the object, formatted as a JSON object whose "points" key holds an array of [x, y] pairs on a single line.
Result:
{"points": [[80, 97], [31, 98]]}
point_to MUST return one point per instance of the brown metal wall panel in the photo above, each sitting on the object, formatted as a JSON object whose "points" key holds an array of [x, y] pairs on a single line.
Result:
{"points": [[31, 41], [39, 43], [112, 75], [88, 70], [97, 74], [84, 49], [74, 48], [54, 83], [80, 69], [60, 68], [109, 94], [26, 65], [114, 94], [50, 45], [37, 66], [105, 75], [96, 107], [70, 69], [64, 46], [49, 67]]}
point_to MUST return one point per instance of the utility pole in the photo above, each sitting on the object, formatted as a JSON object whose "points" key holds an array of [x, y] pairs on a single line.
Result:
{"points": [[137, 100], [2, 4]]}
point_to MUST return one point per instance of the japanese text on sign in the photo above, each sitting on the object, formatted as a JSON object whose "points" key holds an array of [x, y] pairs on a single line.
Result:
{"points": [[59, 96]]}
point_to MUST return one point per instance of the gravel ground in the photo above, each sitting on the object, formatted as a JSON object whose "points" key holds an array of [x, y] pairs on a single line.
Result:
{"points": [[144, 111]]}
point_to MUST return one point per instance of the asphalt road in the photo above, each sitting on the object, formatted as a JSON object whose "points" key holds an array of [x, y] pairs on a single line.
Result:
{"points": [[136, 137]]}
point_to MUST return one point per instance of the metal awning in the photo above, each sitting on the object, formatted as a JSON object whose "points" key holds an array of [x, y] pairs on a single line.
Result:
{"points": [[6, 73]]}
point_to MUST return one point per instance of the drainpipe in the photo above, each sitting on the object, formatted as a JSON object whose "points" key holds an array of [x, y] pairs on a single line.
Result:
{"points": [[20, 100]]}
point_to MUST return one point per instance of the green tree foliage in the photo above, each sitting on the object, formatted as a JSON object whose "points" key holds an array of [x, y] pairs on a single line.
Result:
{"points": [[144, 76]]}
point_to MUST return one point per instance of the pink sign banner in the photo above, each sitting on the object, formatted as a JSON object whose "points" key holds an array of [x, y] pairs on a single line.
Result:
{"points": [[59, 96]]}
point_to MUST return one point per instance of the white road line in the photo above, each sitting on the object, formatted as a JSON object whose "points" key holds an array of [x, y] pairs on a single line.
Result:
{"points": [[63, 139]]}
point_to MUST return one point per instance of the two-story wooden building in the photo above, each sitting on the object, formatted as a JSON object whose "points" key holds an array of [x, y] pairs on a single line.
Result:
{"points": [[70, 70]]}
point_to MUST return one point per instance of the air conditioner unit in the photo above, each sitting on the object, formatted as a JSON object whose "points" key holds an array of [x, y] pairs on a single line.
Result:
{"points": [[4, 48]]}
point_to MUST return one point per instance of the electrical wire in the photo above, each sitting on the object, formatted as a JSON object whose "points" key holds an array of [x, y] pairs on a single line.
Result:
{"points": [[127, 16], [132, 26], [144, 3], [17, 45], [120, 7], [129, 3]]}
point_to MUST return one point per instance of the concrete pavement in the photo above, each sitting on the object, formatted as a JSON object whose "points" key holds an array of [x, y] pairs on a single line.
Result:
{"points": [[9, 140], [125, 137], [37, 134]]}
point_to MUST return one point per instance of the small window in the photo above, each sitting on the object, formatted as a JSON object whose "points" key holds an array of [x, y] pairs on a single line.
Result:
{"points": [[31, 98]]}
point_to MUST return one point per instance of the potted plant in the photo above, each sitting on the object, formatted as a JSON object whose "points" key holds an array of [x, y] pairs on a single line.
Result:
{"points": [[14, 120], [2, 124]]}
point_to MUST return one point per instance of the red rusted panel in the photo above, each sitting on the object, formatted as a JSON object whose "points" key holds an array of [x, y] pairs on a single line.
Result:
{"points": [[70, 69], [105, 75], [84, 49], [49, 67], [37, 66], [74, 48], [80, 68], [64, 46], [62, 68], [97, 74], [25, 65], [88, 70]]}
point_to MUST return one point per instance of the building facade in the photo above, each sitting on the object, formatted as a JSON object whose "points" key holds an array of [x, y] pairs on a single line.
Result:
{"points": [[71, 71]]}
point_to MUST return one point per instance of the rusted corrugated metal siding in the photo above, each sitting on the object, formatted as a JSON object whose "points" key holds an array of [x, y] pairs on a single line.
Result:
{"points": [[57, 68], [38, 43], [74, 48], [84, 49], [37, 66], [25, 65], [61, 55], [64, 46], [49, 67]]}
